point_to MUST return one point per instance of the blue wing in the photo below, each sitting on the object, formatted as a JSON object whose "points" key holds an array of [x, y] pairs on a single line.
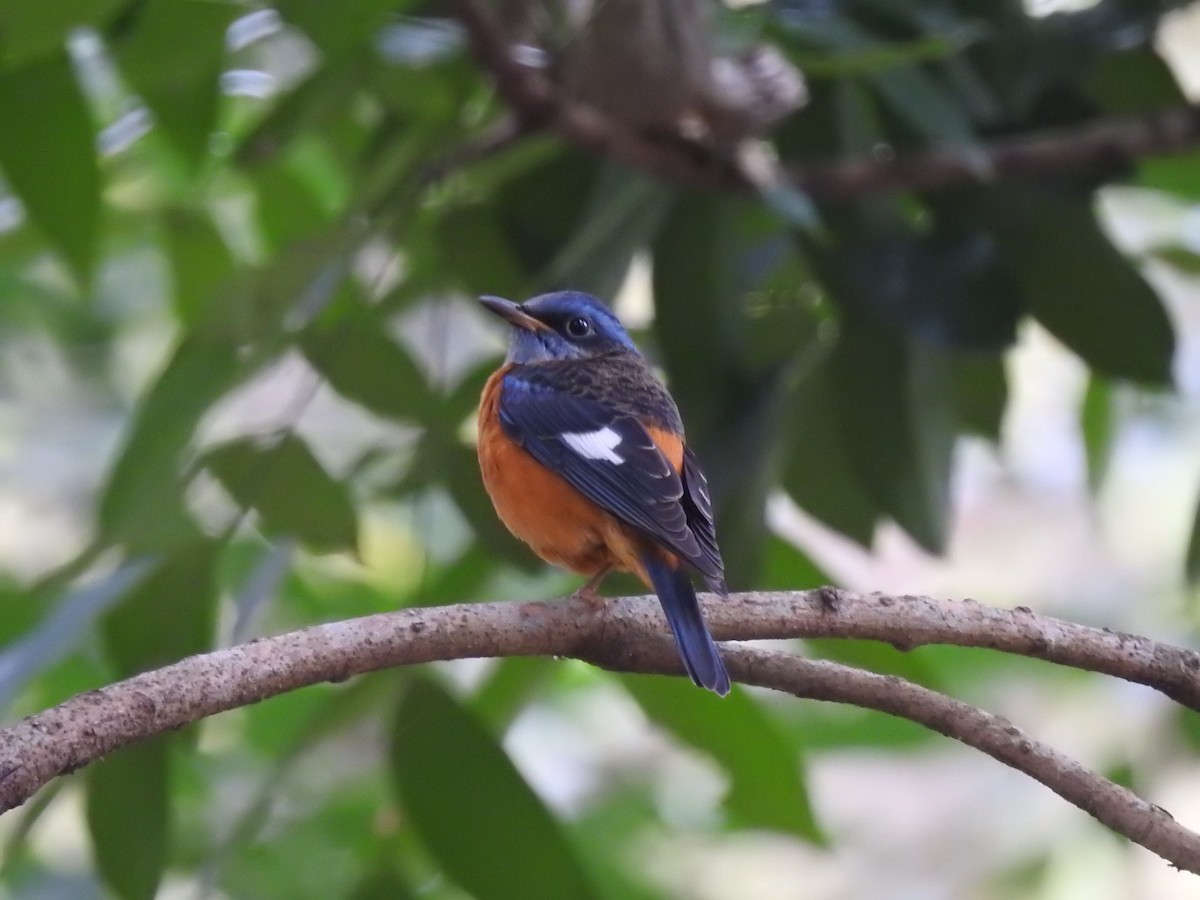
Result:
{"points": [[697, 504], [611, 459]]}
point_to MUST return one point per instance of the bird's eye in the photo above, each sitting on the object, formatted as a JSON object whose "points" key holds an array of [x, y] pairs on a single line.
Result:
{"points": [[579, 327]]}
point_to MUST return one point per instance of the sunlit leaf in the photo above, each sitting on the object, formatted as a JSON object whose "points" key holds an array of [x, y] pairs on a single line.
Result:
{"points": [[767, 788], [48, 155], [472, 809]]}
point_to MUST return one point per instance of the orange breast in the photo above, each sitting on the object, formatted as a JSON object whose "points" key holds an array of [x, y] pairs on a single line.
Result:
{"points": [[561, 525]]}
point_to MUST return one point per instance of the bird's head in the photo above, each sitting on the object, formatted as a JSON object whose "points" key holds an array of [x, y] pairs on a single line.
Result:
{"points": [[562, 325]]}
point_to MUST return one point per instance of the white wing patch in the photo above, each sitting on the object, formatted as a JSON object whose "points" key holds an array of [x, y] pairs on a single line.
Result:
{"points": [[599, 444]]}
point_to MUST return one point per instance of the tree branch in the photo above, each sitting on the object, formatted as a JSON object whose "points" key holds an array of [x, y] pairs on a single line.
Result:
{"points": [[1115, 806], [627, 634], [1109, 141], [538, 104]]}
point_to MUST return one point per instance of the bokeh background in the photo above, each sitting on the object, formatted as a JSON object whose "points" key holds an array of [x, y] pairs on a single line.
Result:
{"points": [[239, 359]]}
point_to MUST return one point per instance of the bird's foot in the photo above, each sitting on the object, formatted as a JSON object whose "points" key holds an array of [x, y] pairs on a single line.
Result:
{"points": [[589, 593]]}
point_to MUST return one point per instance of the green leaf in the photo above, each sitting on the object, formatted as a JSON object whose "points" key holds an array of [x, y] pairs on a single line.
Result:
{"points": [[142, 504], [1182, 258], [1191, 566], [819, 474], [1080, 287], [476, 252], [625, 210], [303, 279], [289, 488], [173, 54], [1133, 82], [979, 389], [787, 568], [509, 688], [30, 651], [1187, 725], [362, 363], [321, 853], [794, 206], [169, 615], [1172, 174], [698, 326], [338, 28], [286, 206], [729, 292], [875, 656], [479, 819], [128, 815], [734, 318], [896, 414], [1096, 424], [542, 205], [384, 882], [836, 728], [945, 285], [311, 106], [201, 263], [30, 30], [611, 831], [443, 459], [49, 158], [767, 788], [913, 95]]}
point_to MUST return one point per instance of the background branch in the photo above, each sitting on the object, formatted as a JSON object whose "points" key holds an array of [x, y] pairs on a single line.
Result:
{"points": [[627, 634], [1108, 141]]}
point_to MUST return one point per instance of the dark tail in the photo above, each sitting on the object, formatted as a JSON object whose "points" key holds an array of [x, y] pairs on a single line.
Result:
{"points": [[696, 647]]}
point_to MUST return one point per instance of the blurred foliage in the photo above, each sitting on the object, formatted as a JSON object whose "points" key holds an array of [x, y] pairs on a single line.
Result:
{"points": [[250, 186]]}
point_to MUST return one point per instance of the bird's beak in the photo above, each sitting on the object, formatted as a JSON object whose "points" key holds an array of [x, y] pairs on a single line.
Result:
{"points": [[513, 314]]}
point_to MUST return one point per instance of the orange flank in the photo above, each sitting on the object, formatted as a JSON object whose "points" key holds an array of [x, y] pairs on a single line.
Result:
{"points": [[671, 446], [538, 506]]}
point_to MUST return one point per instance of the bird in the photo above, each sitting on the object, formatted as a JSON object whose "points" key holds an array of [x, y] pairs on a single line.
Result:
{"points": [[582, 451]]}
